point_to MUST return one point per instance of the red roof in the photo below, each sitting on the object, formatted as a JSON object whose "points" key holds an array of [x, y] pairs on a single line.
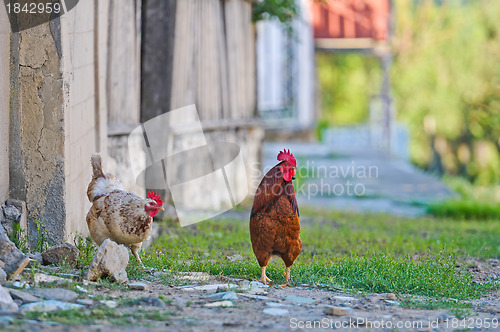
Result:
{"points": [[351, 19]]}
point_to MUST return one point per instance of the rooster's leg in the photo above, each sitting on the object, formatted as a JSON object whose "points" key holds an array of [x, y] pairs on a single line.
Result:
{"points": [[287, 277], [263, 278], [135, 250]]}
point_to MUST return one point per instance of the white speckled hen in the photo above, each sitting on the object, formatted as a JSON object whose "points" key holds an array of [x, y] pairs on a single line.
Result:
{"points": [[116, 214]]}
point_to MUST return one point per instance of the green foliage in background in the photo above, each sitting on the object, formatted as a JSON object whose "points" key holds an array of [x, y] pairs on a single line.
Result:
{"points": [[283, 10], [347, 81], [446, 82]]}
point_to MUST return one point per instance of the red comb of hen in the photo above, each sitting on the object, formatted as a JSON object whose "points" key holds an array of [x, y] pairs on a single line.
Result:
{"points": [[154, 196], [288, 156]]}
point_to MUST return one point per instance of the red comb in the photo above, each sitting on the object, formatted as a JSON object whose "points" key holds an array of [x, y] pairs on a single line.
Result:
{"points": [[154, 196], [286, 155]]}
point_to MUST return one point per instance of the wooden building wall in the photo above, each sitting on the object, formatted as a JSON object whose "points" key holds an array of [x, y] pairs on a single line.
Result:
{"points": [[212, 60]]}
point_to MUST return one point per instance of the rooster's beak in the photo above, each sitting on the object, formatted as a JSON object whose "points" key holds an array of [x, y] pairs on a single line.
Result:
{"points": [[162, 208]]}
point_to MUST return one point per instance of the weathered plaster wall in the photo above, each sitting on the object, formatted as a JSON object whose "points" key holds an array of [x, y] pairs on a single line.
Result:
{"points": [[4, 105], [41, 123]]}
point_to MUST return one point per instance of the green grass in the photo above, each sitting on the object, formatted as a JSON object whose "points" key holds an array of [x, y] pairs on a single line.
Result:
{"points": [[367, 253], [475, 201], [465, 209], [460, 309], [87, 317]]}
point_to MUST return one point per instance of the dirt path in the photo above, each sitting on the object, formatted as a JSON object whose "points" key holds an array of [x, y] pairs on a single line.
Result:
{"points": [[215, 304]]}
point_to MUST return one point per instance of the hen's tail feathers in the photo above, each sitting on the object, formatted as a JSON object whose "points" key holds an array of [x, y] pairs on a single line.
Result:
{"points": [[96, 162]]}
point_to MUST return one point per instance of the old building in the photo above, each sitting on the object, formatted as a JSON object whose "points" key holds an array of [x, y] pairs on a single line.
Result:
{"points": [[72, 86]]}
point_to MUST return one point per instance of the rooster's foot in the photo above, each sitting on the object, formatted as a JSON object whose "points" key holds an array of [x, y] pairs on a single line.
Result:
{"points": [[264, 279]]}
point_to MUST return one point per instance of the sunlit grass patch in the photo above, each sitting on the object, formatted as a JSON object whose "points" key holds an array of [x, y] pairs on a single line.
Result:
{"points": [[355, 253], [465, 209]]}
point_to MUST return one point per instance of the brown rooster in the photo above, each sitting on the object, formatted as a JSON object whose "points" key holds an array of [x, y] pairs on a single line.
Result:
{"points": [[119, 215], [274, 220]]}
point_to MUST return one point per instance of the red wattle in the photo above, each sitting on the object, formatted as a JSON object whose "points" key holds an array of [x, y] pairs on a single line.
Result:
{"points": [[153, 212]]}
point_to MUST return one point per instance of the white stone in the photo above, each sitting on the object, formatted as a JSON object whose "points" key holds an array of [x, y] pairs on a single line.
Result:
{"points": [[81, 289], [224, 304], [275, 311], [110, 303], [275, 304], [111, 259], [41, 278], [50, 305], [299, 299], [87, 302], [223, 295], [345, 298], [195, 276]]}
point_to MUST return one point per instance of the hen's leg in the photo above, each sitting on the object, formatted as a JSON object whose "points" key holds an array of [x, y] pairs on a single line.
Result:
{"points": [[135, 250], [287, 277], [263, 278]]}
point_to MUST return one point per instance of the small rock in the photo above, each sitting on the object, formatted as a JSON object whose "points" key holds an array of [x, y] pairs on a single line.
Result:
{"points": [[60, 294], [275, 304], [299, 299], [81, 289], [41, 278], [110, 303], [140, 286], [257, 297], [152, 301], [87, 302], [441, 318], [3, 276], [35, 259], [20, 284], [223, 295], [6, 320], [335, 311], [6, 302], [257, 284], [63, 254], [230, 296], [25, 297], [50, 305], [345, 298], [391, 296], [275, 311], [14, 260], [110, 260], [12, 216], [224, 304]]}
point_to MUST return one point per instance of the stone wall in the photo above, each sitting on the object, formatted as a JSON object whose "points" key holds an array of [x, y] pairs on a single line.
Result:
{"points": [[4, 105]]}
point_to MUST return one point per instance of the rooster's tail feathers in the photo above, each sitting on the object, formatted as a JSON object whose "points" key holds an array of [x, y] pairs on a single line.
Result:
{"points": [[96, 162]]}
